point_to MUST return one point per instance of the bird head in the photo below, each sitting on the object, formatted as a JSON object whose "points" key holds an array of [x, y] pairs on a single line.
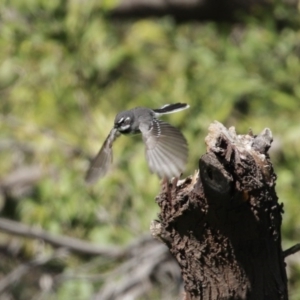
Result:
{"points": [[123, 121]]}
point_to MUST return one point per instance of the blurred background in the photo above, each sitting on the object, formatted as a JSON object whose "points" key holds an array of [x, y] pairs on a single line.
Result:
{"points": [[67, 68]]}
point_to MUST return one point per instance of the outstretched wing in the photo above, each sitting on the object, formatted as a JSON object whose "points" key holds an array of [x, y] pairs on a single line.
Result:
{"points": [[101, 163], [166, 149]]}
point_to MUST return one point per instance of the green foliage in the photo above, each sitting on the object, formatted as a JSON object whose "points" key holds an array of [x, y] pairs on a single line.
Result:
{"points": [[66, 70], [76, 290]]}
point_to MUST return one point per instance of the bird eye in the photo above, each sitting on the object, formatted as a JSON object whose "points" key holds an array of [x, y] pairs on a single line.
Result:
{"points": [[126, 121], [123, 124]]}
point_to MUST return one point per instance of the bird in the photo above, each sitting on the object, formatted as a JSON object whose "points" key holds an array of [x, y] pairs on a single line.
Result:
{"points": [[166, 147]]}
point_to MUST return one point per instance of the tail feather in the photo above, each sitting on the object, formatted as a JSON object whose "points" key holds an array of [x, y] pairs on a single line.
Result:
{"points": [[171, 108]]}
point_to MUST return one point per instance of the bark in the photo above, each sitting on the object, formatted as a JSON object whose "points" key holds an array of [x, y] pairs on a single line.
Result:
{"points": [[223, 224]]}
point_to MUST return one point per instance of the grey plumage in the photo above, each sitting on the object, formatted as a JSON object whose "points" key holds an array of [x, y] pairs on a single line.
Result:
{"points": [[101, 163], [166, 147]]}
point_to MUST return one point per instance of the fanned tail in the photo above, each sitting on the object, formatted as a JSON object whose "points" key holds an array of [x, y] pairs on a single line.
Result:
{"points": [[170, 108]]}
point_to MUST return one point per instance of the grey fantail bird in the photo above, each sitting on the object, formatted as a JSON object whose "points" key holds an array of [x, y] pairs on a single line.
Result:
{"points": [[166, 147]]}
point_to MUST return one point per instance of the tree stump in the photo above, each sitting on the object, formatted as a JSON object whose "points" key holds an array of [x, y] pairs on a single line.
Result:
{"points": [[222, 225]]}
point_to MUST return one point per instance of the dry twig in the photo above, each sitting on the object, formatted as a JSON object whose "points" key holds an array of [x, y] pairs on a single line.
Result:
{"points": [[292, 250], [23, 269], [72, 244]]}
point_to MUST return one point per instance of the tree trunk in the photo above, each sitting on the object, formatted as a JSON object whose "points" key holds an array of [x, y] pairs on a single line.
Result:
{"points": [[223, 225]]}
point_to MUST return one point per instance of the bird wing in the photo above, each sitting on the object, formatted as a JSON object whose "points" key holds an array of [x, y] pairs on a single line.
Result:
{"points": [[166, 149], [101, 163]]}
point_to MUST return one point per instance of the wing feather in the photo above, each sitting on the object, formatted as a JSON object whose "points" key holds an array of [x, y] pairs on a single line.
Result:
{"points": [[100, 164], [166, 149]]}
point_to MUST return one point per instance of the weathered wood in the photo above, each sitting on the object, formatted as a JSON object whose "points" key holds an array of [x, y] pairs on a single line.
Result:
{"points": [[223, 224]]}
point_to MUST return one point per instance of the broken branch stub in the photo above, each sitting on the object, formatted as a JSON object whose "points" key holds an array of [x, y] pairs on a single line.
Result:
{"points": [[223, 224]]}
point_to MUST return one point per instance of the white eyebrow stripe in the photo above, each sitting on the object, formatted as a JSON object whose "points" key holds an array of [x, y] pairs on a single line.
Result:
{"points": [[120, 121], [127, 119]]}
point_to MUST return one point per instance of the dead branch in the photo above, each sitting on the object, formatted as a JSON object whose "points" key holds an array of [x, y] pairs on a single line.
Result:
{"points": [[184, 10], [15, 275], [294, 249], [150, 264], [21, 181], [72, 244]]}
